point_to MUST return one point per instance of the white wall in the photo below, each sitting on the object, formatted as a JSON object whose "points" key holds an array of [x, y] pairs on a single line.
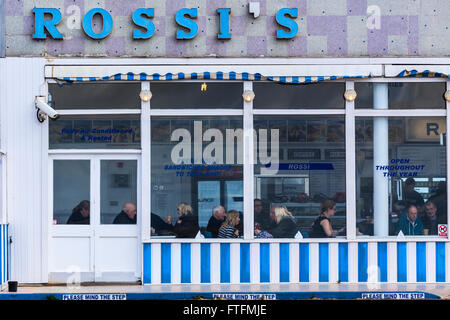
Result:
{"points": [[20, 82]]}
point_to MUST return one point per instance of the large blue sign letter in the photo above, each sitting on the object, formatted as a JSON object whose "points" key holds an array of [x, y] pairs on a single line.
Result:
{"points": [[287, 23], [187, 23], [40, 24], [107, 23], [224, 18], [139, 20]]}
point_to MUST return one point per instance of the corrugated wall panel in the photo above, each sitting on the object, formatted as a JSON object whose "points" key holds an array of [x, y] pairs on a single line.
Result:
{"points": [[23, 146]]}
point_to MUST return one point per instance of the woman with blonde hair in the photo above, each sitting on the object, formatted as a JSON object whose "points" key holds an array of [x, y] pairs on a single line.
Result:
{"points": [[186, 225], [228, 228], [285, 225]]}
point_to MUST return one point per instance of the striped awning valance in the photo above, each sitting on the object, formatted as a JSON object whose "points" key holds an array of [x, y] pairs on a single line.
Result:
{"points": [[423, 74], [208, 76], [239, 76]]}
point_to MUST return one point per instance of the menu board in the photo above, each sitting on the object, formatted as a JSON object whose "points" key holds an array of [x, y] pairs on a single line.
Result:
{"points": [[432, 157], [326, 181]]}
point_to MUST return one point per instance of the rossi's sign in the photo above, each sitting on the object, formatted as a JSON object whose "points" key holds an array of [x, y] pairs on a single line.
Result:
{"points": [[47, 19]]}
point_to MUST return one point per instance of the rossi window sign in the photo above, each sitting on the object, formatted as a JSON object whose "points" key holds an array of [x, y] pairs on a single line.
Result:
{"points": [[47, 20]]}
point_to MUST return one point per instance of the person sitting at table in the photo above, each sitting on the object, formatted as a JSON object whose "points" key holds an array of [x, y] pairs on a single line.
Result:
{"points": [[127, 215], [321, 227], [410, 223], [160, 227], [284, 226], [228, 229], [80, 214], [216, 220], [186, 225], [431, 219]]}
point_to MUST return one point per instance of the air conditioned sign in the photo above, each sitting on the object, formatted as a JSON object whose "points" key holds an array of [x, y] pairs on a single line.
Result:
{"points": [[47, 19]]}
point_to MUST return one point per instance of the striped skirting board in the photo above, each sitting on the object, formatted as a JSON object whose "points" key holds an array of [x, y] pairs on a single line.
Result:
{"points": [[296, 262], [3, 254]]}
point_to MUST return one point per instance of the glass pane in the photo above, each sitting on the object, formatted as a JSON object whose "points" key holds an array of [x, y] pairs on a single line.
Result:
{"points": [[118, 185], [71, 191], [410, 169], [310, 96], [300, 166], [195, 95], [404, 95], [95, 96], [196, 164], [95, 132]]}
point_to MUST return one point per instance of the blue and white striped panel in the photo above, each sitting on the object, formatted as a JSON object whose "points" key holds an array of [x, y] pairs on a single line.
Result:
{"points": [[273, 262], [424, 74]]}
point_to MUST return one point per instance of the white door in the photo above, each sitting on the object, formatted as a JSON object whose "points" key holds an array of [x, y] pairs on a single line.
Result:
{"points": [[87, 193]]}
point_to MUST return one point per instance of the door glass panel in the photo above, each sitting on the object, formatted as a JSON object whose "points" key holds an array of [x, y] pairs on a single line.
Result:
{"points": [[118, 185], [208, 197], [71, 192]]}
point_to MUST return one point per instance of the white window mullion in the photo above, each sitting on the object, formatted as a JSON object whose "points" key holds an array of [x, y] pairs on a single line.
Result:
{"points": [[350, 169], [248, 165], [145, 165]]}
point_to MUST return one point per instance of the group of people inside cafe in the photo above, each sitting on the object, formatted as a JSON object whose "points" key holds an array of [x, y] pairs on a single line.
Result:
{"points": [[416, 217]]}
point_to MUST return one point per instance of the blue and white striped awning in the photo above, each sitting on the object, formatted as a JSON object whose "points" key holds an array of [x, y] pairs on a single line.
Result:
{"points": [[209, 76], [239, 76], [423, 74]]}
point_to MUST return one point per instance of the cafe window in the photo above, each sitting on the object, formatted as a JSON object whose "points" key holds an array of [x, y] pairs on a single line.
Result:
{"points": [[95, 132], [196, 95], [308, 96], [400, 161], [196, 175], [95, 96], [71, 192], [300, 169], [404, 95]]}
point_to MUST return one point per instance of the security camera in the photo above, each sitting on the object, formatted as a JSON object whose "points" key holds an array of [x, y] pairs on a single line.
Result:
{"points": [[45, 110]]}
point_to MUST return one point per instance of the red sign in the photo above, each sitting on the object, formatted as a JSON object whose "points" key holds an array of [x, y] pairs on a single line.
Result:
{"points": [[443, 231]]}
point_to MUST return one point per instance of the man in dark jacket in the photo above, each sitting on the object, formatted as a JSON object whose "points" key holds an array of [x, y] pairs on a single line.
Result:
{"points": [[127, 215], [216, 220]]}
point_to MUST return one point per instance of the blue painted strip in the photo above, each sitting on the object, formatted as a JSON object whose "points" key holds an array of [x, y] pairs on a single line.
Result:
{"points": [[413, 73], [401, 262], [343, 262], [421, 261], [130, 76], [219, 75], [307, 79], [165, 263], [206, 75], [245, 262], [283, 79], [264, 262], [284, 262], [105, 78], [142, 76], [304, 262], [295, 80], [382, 260], [363, 261], [225, 263], [147, 265], [118, 76], [181, 76], [426, 73], [232, 75], [245, 76], [333, 78], [156, 76], [258, 77], [320, 78], [323, 262], [185, 263], [168, 76], [440, 261], [92, 79], [79, 79], [437, 75], [193, 75], [205, 262]]}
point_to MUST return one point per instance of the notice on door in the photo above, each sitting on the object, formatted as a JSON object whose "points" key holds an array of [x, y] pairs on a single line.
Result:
{"points": [[95, 296]]}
